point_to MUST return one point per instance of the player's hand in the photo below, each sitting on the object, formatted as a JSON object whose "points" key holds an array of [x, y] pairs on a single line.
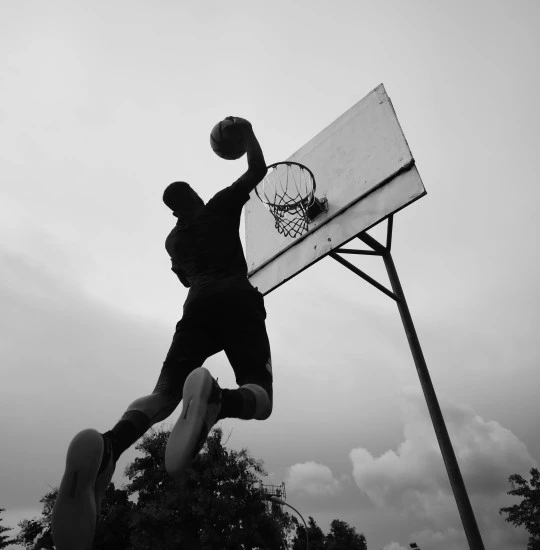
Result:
{"points": [[241, 122]]}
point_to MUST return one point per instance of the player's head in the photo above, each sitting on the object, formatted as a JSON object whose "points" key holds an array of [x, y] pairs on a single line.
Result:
{"points": [[181, 198]]}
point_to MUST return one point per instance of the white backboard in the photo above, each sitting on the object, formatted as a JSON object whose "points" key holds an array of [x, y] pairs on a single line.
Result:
{"points": [[362, 166]]}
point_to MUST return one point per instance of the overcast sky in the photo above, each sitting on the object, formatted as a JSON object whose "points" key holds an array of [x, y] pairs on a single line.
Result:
{"points": [[103, 104]]}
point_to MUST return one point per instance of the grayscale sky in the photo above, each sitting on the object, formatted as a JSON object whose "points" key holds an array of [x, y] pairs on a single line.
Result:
{"points": [[105, 103]]}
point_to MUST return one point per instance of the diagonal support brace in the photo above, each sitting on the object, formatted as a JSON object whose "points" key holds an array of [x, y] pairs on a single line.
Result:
{"points": [[364, 276]]}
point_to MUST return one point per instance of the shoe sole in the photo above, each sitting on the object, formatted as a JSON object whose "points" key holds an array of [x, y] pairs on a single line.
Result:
{"points": [[185, 435], [74, 513]]}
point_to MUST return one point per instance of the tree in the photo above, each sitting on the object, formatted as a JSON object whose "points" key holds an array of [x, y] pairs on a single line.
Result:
{"points": [[5, 541], [35, 533], [527, 512], [113, 532], [316, 536], [341, 537], [215, 505], [344, 537]]}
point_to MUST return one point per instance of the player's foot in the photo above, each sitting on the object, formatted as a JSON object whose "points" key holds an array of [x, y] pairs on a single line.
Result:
{"points": [[200, 411], [89, 469]]}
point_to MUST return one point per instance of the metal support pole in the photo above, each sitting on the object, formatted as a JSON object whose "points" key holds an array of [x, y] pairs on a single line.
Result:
{"points": [[456, 481]]}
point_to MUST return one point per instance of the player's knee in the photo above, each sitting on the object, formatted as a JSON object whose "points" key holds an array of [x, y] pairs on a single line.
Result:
{"points": [[169, 403], [263, 401], [267, 406], [265, 411], [157, 406]]}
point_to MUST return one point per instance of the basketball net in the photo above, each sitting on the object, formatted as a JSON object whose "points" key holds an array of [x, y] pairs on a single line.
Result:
{"points": [[287, 191]]}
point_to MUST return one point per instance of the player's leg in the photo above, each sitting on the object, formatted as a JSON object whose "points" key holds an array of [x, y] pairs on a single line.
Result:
{"points": [[75, 510], [92, 456], [200, 339], [90, 465], [201, 407], [240, 320], [246, 343], [201, 402]]}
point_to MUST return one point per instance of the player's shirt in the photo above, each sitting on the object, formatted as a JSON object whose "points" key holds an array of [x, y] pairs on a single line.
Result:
{"points": [[206, 251]]}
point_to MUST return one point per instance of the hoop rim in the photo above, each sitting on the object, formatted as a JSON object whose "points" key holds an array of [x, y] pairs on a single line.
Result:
{"points": [[295, 204]]}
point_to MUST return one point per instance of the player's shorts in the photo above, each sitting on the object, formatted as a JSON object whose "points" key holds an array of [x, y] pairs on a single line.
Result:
{"points": [[234, 322]]}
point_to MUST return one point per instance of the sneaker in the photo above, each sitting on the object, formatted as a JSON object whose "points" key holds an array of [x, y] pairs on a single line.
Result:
{"points": [[200, 411], [81, 491]]}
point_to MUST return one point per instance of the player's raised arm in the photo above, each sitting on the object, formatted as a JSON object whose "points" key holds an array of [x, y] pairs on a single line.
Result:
{"points": [[256, 163]]}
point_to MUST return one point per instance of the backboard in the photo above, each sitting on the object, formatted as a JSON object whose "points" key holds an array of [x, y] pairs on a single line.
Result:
{"points": [[362, 166]]}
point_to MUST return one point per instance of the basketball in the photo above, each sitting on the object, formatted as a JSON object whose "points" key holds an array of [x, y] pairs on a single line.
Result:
{"points": [[227, 140]]}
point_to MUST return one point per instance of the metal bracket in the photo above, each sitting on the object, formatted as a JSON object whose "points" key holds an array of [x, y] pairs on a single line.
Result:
{"points": [[377, 249], [319, 206], [364, 276]]}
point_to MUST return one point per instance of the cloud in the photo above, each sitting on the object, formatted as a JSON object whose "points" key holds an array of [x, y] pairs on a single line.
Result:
{"points": [[487, 453], [313, 479], [413, 481]]}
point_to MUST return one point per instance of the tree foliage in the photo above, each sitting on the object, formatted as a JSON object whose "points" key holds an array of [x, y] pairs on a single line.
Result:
{"points": [[5, 541], [527, 512], [35, 534], [341, 537], [215, 505], [344, 537], [315, 534]]}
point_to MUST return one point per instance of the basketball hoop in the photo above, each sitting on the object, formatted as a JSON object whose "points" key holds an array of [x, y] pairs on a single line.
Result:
{"points": [[288, 192]]}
